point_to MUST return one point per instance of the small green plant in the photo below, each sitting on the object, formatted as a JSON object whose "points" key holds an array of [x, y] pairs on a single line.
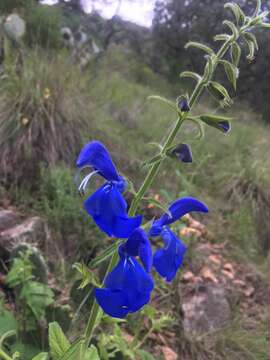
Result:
{"points": [[32, 297]]}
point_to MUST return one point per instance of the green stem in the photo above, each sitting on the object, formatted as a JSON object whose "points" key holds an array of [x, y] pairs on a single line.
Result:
{"points": [[146, 336], [148, 182], [4, 356]]}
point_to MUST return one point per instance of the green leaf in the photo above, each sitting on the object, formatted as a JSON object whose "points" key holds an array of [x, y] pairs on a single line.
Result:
{"points": [[105, 255], [74, 352], [231, 71], [164, 100], [38, 297], [235, 53], [251, 37], [222, 37], [41, 356], [258, 8], [145, 355], [87, 276], [232, 27], [200, 46], [191, 74], [237, 12], [92, 354], [251, 48], [58, 342]]}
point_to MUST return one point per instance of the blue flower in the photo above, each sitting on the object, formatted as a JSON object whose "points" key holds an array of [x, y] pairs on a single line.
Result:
{"points": [[168, 260], [106, 205], [127, 288], [138, 244]]}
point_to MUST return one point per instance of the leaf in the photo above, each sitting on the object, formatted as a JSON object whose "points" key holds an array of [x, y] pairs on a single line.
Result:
{"points": [[41, 356], [87, 276], [191, 74], [92, 354], [231, 71], [58, 342], [251, 48], [74, 351], [258, 7], [145, 355], [164, 100], [235, 53], [38, 297], [237, 11], [251, 37], [105, 255], [232, 27], [200, 46], [222, 37]]}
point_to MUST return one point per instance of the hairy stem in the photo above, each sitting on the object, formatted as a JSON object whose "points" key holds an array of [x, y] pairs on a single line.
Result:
{"points": [[151, 176]]}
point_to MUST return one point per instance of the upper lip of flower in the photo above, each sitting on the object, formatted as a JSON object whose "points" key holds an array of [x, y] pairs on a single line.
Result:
{"points": [[177, 209], [106, 205], [95, 156]]}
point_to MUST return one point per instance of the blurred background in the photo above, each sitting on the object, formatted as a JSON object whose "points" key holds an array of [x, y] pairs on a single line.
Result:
{"points": [[74, 71]]}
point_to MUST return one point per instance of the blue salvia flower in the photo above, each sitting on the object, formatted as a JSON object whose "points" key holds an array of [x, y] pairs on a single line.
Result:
{"points": [[106, 205], [168, 260], [128, 287]]}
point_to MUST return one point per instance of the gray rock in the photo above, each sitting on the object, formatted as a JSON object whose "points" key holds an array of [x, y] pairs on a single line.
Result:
{"points": [[206, 310], [32, 231], [8, 219]]}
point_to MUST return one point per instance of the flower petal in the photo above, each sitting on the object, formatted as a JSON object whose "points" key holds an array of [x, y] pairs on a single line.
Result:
{"points": [[178, 209], [169, 259], [97, 156], [138, 244], [128, 276], [113, 302], [124, 226], [108, 207]]}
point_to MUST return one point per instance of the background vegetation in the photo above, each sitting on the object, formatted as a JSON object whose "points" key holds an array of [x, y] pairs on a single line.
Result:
{"points": [[49, 107]]}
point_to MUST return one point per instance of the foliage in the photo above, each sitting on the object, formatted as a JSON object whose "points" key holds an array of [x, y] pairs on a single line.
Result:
{"points": [[7, 6], [39, 122], [43, 27], [33, 297]]}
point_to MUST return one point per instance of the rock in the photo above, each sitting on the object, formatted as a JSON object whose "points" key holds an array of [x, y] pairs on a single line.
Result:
{"points": [[8, 219], [206, 310], [168, 353], [32, 231]]}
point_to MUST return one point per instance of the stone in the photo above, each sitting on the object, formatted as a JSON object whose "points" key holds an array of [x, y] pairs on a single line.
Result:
{"points": [[32, 231], [206, 310], [8, 219]]}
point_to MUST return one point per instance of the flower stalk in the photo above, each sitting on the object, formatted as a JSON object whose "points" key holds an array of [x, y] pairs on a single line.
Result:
{"points": [[203, 82]]}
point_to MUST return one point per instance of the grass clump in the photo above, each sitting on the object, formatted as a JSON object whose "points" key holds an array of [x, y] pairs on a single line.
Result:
{"points": [[39, 117]]}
